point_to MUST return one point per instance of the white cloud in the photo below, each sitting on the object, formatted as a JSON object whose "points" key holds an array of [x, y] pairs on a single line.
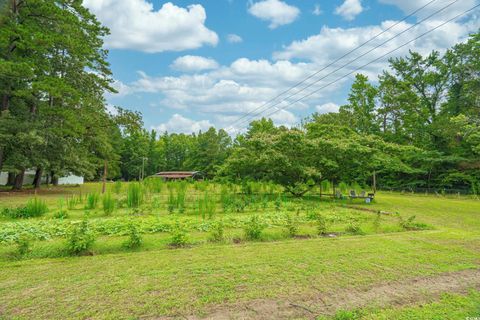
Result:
{"points": [[409, 6], [230, 92], [277, 12], [180, 124], [135, 25], [234, 38], [193, 63], [349, 9], [332, 43], [327, 107], [316, 10]]}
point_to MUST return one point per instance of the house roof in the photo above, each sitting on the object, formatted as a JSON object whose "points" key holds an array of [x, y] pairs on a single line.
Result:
{"points": [[177, 174]]}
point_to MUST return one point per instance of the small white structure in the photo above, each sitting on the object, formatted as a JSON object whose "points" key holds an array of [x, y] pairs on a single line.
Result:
{"points": [[30, 176], [71, 179]]}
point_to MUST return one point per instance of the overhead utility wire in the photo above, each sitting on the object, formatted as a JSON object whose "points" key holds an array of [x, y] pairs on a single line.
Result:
{"points": [[343, 56], [350, 62], [375, 60]]}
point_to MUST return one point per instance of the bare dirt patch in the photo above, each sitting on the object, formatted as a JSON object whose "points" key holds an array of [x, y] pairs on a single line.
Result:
{"points": [[413, 291]]}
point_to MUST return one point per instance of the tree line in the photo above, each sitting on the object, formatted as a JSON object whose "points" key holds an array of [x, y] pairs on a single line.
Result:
{"points": [[418, 126]]}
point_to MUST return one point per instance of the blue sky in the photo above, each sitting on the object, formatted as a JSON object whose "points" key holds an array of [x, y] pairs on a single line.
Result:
{"points": [[188, 65]]}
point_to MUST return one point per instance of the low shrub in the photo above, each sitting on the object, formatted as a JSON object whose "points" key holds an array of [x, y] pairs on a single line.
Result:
{"points": [[23, 244], [179, 236], [354, 228], [217, 231], [134, 236], [254, 228], [80, 238], [410, 224], [321, 223], [291, 223], [20, 212], [61, 214]]}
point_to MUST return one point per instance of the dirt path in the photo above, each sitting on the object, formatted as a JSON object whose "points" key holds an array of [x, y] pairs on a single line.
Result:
{"points": [[418, 290]]}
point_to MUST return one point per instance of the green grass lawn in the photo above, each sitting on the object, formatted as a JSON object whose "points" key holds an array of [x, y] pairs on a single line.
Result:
{"points": [[369, 276]]}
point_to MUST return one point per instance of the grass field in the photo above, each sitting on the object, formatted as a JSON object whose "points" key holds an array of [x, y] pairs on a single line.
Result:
{"points": [[382, 272]]}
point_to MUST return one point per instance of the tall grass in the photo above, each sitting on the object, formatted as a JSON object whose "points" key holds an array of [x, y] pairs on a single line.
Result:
{"points": [[181, 195], [206, 205], [154, 185], [117, 187], [92, 201], [108, 203], [35, 207], [134, 195]]}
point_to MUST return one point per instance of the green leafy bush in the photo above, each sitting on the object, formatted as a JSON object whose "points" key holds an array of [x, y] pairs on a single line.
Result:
{"points": [[354, 228], [61, 214], [411, 225], [217, 231], [321, 223], [254, 228], [80, 238], [179, 236], [134, 236], [23, 244], [291, 223], [20, 212]]}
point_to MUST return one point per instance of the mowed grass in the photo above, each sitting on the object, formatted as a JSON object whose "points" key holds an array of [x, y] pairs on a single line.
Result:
{"points": [[196, 280]]}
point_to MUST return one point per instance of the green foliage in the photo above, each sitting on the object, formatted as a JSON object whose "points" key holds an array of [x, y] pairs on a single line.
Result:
{"points": [[292, 224], [325, 186], [217, 231], [108, 203], [172, 201], [253, 228], [179, 236], [14, 213], [23, 244], [411, 224], [135, 195], [35, 207], [206, 205], [80, 238], [92, 201], [343, 187], [61, 214], [321, 223], [354, 228], [134, 236], [117, 187]]}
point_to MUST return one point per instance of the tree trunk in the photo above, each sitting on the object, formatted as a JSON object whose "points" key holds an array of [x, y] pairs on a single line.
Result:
{"points": [[1, 159], [104, 176], [11, 179], [5, 102], [38, 178], [54, 179], [18, 184]]}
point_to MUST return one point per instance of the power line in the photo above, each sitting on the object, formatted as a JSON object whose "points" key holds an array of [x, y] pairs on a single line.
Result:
{"points": [[375, 60], [238, 122], [335, 61]]}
